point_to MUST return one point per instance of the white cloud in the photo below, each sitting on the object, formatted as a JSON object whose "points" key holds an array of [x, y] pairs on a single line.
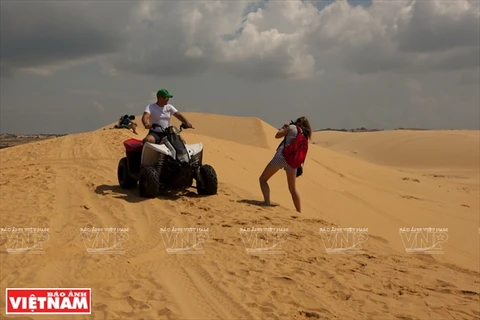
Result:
{"points": [[284, 39], [294, 40]]}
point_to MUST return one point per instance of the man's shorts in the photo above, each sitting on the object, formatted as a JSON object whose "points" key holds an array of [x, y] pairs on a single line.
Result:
{"points": [[157, 135]]}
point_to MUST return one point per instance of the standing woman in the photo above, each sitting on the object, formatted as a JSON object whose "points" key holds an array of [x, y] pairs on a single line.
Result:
{"points": [[289, 133]]}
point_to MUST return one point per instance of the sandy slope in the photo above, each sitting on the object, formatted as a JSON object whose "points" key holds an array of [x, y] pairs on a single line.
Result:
{"points": [[244, 130], [70, 182], [437, 150]]}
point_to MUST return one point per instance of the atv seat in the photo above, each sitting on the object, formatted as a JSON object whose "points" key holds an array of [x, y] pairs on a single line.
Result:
{"points": [[133, 144]]}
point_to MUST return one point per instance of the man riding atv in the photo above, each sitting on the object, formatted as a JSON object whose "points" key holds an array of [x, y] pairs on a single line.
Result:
{"points": [[159, 113], [169, 165]]}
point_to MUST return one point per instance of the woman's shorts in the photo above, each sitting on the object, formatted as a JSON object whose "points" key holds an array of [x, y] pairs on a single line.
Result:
{"points": [[280, 162]]}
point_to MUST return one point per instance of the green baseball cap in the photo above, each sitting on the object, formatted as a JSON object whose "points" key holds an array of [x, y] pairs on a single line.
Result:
{"points": [[164, 93]]}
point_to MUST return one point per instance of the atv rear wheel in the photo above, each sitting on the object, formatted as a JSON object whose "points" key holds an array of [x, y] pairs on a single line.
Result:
{"points": [[149, 182], [209, 182], [123, 174]]}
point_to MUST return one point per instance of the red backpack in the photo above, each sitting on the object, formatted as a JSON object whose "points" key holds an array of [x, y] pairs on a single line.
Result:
{"points": [[296, 152]]}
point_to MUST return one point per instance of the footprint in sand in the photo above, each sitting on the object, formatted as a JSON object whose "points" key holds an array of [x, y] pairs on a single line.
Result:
{"points": [[412, 197], [258, 203], [309, 315]]}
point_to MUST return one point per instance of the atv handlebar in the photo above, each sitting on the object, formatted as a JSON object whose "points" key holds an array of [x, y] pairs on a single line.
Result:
{"points": [[184, 126]]}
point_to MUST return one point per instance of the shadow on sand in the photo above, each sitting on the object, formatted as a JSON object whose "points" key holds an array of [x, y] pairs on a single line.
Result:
{"points": [[256, 203], [132, 196]]}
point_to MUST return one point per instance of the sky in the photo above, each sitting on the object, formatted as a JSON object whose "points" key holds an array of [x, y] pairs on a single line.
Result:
{"points": [[75, 66]]}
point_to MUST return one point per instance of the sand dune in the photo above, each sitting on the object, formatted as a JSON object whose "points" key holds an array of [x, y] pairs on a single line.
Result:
{"points": [[245, 130], [70, 183], [432, 149]]}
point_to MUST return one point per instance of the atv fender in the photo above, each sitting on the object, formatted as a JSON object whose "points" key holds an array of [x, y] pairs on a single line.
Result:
{"points": [[151, 151]]}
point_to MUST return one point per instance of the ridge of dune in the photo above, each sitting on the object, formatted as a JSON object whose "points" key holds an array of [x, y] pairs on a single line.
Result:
{"points": [[244, 130], [72, 184], [431, 149]]}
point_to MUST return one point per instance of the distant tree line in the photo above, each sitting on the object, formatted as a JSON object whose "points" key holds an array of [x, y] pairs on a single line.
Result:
{"points": [[37, 135], [363, 129]]}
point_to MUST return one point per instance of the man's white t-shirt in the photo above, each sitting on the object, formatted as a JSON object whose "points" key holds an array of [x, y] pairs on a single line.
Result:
{"points": [[160, 115]]}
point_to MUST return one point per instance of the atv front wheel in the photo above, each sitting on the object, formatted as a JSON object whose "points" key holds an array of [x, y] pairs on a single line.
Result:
{"points": [[149, 182], [209, 182], [124, 179]]}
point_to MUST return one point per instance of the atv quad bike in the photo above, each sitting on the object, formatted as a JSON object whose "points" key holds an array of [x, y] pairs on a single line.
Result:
{"points": [[171, 166]]}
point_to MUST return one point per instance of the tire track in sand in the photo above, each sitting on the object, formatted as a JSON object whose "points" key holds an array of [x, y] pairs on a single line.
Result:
{"points": [[198, 297], [220, 299], [76, 207], [186, 296]]}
